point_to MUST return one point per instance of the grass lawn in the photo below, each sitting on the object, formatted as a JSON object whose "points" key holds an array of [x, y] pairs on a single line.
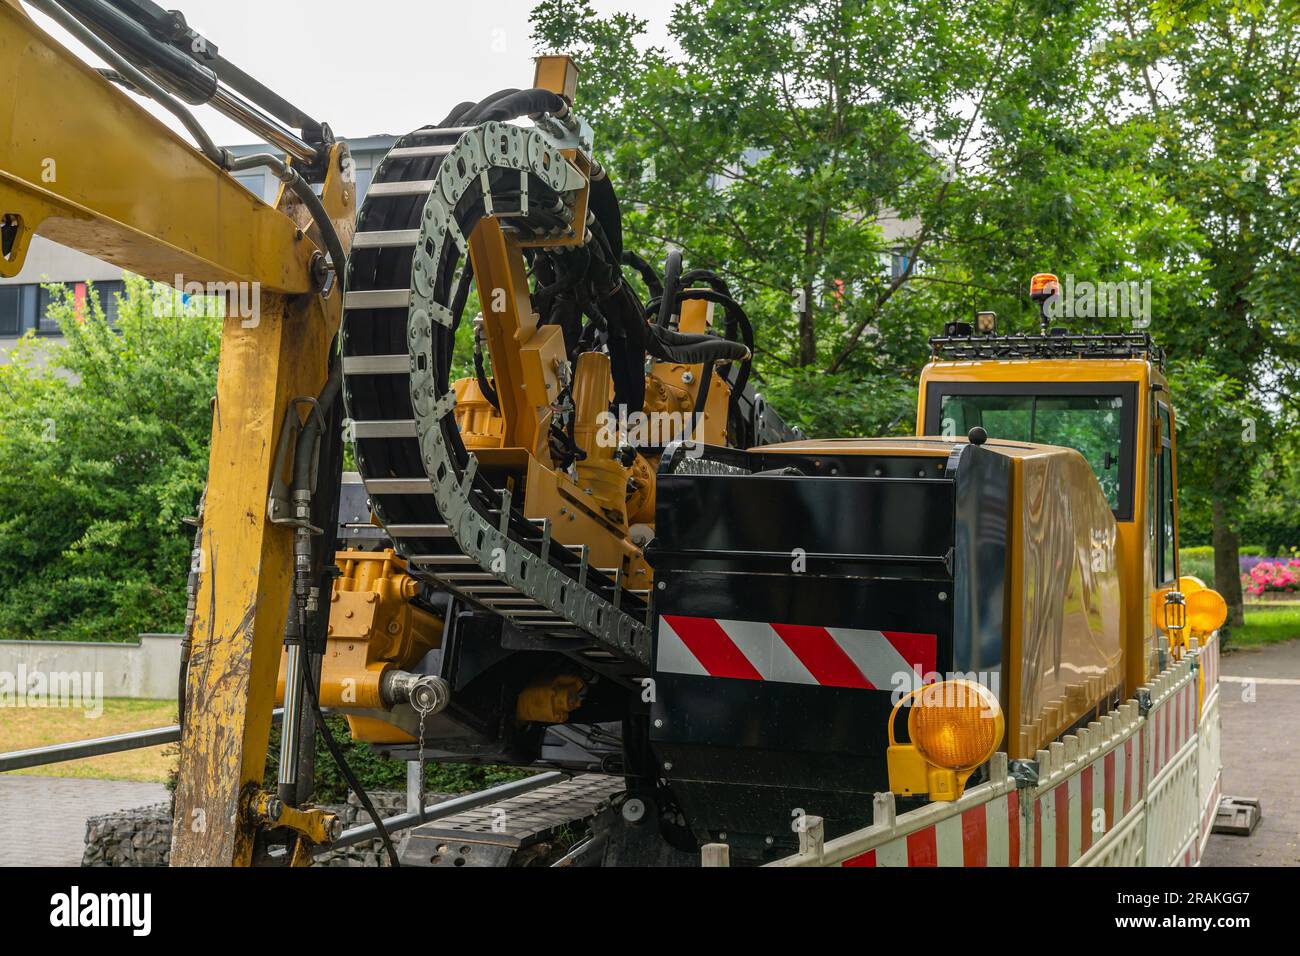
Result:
{"points": [[24, 727], [1267, 625]]}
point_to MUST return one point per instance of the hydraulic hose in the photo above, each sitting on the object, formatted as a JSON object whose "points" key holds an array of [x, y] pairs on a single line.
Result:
{"points": [[146, 85], [516, 104], [187, 78], [304, 453], [302, 189], [469, 116], [456, 113], [484, 383], [693, 349], [672, 277], [138, 78], [710, 278], [647, 272], [735, 314], [341, 762]]}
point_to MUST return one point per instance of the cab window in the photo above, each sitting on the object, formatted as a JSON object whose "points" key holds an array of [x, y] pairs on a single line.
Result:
{"points": [[1095, 420], [1166, 511]]}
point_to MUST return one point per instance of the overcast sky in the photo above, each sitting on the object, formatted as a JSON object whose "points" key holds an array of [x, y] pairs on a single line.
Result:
{"points": [[376, 66]]}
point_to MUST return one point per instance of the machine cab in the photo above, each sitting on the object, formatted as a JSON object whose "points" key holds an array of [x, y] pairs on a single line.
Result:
{"points": [[1104, 396]]}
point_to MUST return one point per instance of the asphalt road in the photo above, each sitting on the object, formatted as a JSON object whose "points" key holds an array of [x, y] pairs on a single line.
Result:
{"points": [[1260, 710]]}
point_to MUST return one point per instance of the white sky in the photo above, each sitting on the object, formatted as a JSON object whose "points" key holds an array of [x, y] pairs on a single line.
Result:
{"points": [[373, 66]]}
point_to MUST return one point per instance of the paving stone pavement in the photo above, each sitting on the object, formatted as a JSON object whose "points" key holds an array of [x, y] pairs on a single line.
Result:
{"points": [[1261, 732], [43, 819]]}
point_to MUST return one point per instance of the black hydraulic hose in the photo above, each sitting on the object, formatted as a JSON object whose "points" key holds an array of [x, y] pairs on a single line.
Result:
{"points": [[603, 205], [647, 271], [702, 399], [708, 295], [519, 103], [169, 27], [462, 292], [137, 77], [710, 278], [302, 189], [733, 309], [341, 762], [738, 315], [187, 78], [484, 383], [719, 285], [304, 453], [693, 349], [457, 111], [469, 116], [668, 300]]}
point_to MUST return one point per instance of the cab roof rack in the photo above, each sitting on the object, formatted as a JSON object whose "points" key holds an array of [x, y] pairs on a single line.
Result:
{"points": [[957, 344]]}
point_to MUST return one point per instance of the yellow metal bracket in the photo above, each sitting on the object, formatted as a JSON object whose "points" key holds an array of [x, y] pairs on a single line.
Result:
{"points": [[315, 826]]}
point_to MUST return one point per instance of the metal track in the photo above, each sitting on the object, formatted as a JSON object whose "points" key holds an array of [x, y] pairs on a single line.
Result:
{"points": [[508, 832], [451, 524]]}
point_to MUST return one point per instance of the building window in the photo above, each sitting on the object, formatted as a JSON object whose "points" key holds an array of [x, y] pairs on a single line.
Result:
{"points": [[898, 262], [108, 291], [44, 324], [255, 183], [11, 315]]}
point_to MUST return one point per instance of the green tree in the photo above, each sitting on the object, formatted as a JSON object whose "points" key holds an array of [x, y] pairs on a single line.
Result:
{"points": [[1211, 87], [103, 452], [863, 172]]}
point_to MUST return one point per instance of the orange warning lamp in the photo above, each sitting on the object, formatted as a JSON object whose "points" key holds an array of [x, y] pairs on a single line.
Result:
{"points": [[1043, 286], [954, 726], [1043, 289], [1206, 611]]}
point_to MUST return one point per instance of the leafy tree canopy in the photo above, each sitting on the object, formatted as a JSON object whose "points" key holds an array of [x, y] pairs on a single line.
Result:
{"points": [[103, 453]]}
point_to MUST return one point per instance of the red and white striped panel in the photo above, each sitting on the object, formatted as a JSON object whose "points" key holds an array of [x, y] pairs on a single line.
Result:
{"points": [[1083, 808], [986, 835], [1172, 724], [792, 653], [1209, 660]]}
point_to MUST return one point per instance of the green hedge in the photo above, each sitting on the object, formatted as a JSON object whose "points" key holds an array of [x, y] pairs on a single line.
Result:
{"points": [[1206, 552]]}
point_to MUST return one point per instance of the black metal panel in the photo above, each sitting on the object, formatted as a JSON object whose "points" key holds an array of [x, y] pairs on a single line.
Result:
{"points": [[745, 754], [909, 517], [920, 555], [981, 560]]}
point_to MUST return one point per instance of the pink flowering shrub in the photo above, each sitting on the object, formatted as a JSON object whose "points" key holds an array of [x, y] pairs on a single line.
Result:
{"points": [[1274, 575]]}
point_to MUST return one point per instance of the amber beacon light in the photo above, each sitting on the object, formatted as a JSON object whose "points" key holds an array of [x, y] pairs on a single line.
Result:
{"points": [[953, 727]]}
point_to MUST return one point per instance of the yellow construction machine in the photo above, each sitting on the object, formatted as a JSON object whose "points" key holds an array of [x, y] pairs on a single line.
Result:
{"points": [[576, 536]]}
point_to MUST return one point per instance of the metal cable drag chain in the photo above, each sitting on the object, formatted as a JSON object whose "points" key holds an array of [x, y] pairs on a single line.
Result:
{"points": [[399, 291]]}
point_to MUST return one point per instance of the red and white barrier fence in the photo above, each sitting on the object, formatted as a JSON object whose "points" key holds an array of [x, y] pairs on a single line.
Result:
{"points": [[1132, 789]]}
